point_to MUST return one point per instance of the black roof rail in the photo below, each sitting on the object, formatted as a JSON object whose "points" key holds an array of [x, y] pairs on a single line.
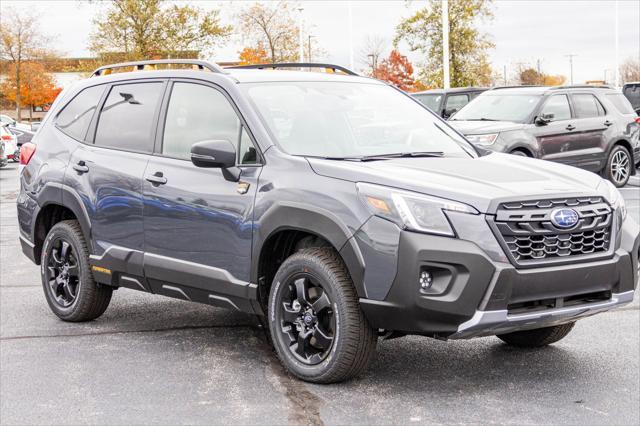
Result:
{"points": [[140, 65], [296, 65], [582, 86]]}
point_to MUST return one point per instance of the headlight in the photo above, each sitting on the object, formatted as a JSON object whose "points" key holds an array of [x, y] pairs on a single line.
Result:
{"points": [[410, 210], [614, 197], [487, 139]]}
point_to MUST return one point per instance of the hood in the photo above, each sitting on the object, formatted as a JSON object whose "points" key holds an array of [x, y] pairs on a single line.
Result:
{"points": [[479, 182], [484, 127]]}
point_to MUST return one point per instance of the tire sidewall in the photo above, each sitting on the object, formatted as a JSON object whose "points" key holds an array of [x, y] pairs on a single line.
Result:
{"points": [[289, 269], [61, 231]]}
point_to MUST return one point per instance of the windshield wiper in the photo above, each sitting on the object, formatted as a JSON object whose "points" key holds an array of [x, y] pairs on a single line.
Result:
{"points": [[402, 155], [480, 119]]}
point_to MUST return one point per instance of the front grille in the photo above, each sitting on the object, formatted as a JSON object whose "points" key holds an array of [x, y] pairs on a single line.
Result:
{"points": [[529, 237]]}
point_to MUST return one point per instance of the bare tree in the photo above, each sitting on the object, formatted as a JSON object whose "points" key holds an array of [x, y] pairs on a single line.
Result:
{"points": [[21, 41], [630, 70], [273, 26], [372, 52]]}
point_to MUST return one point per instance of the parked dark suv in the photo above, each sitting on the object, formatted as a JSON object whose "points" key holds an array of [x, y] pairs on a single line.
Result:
{"points": [[594, 128], [447, 102], [631, 91], [335, 207]]}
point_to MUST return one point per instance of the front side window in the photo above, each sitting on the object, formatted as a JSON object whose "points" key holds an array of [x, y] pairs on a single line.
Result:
{"points": [[75, 117], [496, 106], [557, 105], [197, 113], [586, 105], [127, 118], [455, 102], [345, 119]]}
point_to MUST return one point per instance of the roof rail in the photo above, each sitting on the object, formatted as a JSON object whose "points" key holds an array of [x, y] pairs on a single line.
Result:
{"points": [[296, 65], [582, 86], [515, 87], [141, 65]]}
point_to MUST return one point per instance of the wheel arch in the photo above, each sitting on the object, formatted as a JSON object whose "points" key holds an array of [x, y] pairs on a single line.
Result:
{"points": [[276, 239]]}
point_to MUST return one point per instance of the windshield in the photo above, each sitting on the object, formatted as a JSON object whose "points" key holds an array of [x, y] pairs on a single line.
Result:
{"points": [[499, 107], [347, 120], [431, 101]]}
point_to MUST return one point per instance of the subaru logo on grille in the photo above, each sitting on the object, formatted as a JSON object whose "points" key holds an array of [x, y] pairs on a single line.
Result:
{"points": [[564, 218]]}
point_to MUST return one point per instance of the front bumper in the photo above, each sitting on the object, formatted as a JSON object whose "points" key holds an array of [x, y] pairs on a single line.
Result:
{"points": [[474, 295]]}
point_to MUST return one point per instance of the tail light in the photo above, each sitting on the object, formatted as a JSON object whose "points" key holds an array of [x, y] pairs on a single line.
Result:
{"points": [[26, 152], [6, 137], [638, 120]]}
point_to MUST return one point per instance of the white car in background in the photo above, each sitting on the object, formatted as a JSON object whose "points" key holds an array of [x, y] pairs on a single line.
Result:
{"points": [[10, 142]]}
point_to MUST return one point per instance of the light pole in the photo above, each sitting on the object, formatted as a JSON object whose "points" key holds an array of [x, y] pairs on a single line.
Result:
{"points": [[616, 71], [571, 56], [309, 48], [445, 43], [301, 42], [374, 63]]}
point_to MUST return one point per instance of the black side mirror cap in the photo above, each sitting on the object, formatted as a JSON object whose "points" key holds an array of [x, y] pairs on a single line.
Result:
{"points": [[219, 154]]}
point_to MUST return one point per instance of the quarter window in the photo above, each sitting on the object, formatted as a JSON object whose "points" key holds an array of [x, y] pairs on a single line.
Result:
{"points": [[198, 113], [126, 120], [586, 105], [557, 105], [75, 117]]}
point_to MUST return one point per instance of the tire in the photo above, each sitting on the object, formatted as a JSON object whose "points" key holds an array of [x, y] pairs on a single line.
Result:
{"points": [[16, 156], [519, 153], [619, 166], [538, 337], [317, 277], [78, 297]]}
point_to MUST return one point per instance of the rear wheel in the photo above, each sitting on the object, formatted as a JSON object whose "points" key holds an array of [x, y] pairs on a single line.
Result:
{"points": [[618, 167], [519, 153], [538, 337], [68, 284], [317, 327]]}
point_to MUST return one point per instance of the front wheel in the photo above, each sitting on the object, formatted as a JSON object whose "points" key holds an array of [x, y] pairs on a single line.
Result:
{"points": [[618, 168], [538, 337], [317, 327]]}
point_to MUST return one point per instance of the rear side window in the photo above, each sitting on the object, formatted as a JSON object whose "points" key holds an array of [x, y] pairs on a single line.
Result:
{"points": [[126, 120], [586, 105], [621, 103], [75, 117], [456, 101]]}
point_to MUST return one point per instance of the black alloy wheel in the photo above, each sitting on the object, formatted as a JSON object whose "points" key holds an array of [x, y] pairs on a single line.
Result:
{"points": [[306, 318], [62, 273]]}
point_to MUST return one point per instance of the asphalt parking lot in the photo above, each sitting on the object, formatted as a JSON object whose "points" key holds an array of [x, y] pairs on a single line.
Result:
{"points": [[151, 359]]}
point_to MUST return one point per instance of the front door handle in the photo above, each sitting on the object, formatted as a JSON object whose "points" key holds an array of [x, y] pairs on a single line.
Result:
{"points": [[157, 178], [608, 123], [570, 127], [81, 167]]}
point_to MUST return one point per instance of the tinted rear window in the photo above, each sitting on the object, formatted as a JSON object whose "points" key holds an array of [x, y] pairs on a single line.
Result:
{"points": [[126, 120], [621, 103], [75, 117]]}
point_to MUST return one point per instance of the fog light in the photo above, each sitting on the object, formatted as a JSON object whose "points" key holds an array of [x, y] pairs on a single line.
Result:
{"points": [[425, 280]]}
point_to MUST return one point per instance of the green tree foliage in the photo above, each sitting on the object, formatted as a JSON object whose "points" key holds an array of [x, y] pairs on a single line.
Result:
{"points": [[468, 47], [144, 29]]}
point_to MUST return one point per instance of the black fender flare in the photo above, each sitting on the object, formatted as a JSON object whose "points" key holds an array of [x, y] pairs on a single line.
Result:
{"points": [[62, 195], [300, 217]]}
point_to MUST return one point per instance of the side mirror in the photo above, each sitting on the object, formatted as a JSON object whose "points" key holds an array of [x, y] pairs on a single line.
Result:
{"points": [[449, 112], [219, 154], [544, 119]]}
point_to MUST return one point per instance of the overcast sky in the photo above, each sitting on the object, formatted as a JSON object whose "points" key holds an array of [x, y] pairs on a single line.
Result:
{"points": [[523, 31]]}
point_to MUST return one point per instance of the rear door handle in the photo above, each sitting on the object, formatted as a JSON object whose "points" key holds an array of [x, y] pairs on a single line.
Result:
{"points": [[608, 123], [157, 178], [81, 167], [570, 127]]}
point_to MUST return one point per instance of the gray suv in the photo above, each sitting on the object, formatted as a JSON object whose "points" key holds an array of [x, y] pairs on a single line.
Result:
{"points": [[593, 128], [336, 208]]}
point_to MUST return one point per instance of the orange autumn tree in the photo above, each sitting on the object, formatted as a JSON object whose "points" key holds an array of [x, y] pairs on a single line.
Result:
{"points": [[37, 87], [397, 70], [253, 55]]}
